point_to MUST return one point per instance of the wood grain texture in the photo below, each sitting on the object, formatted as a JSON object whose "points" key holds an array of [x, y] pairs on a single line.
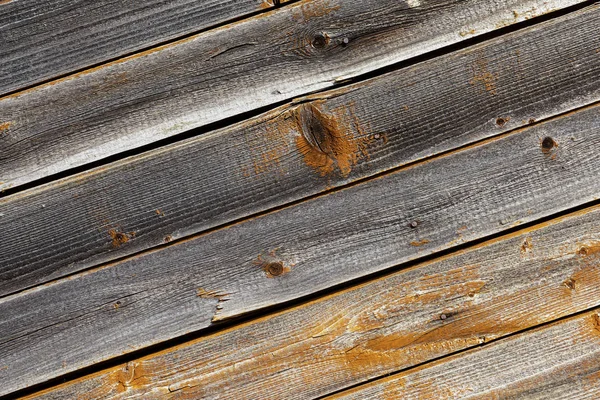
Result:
{"points": [[498, 288], [300, 249], [555, 362], [40, 40], [271, 57], [269, 161]]}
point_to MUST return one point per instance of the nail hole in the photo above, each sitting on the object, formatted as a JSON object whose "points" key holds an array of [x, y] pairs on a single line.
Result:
{"points": [[320, 40], [274, 269], [501, 121], [547, 144], [531, 120]]}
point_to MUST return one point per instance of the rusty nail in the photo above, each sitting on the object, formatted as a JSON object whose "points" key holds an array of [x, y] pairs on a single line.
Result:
{"points": [[377, 136], [443, 317], [274, 269]]}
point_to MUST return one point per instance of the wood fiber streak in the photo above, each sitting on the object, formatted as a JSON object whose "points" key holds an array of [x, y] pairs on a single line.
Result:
{"points": [[555, 362], [393, 323], [326, 241], [43, 39], [187, 84], [299, 150]]}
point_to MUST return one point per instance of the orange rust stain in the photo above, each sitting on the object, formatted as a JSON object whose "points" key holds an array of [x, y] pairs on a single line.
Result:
{"points": [[419, 243], [313, 9], [596, 323], [5, 2], [466, 33], [266, 4], [272, 265], [119, 238], [327, 141], [4, 126], [129, 377], [159, 213], [482, 76], [526, 246], [588, 249], [168, 238]]}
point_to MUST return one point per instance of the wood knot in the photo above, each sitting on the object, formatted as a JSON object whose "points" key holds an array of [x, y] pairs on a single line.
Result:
{"points": [[320, 40], [328, 141]]}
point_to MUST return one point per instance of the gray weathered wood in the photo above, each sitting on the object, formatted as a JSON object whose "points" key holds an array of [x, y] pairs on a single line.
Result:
{"points": [[513, 283], [557, 362], [401, 117], [300, 249], [268, 58], [43, 39]]}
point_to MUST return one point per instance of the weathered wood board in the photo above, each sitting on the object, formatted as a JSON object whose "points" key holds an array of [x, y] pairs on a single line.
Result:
{"points": [[42, 39], [271, 57], [377, 125], [498, 288], [555, 362], [300, 249]]}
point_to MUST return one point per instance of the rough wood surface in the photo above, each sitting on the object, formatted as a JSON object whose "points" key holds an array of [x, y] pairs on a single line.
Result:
{"points": [[300, 249], [513, 283], [367, 128], [268, 58], [43, 39], [555, 362]]}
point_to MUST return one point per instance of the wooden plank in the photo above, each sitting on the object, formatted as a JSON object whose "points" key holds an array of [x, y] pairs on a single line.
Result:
{"points": [[271, 57], [556, 362], [300, 250], [267, 162], [496, 289], [45, 39]]}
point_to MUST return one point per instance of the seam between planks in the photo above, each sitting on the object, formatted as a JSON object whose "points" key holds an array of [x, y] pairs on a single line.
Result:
{"points": [[143, 50], [229, 121], [251, 318], [457, 353], [360, 181]]}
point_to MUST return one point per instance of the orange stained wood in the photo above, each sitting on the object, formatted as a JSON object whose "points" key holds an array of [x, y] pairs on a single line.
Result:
{"points": [[379, 327], [580, 372]]}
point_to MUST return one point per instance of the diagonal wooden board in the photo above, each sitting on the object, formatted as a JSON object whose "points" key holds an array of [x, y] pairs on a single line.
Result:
{"points": [[272, 57], [383, 123], [300, 250], [555, 362], [43, 39], [498, 288]]}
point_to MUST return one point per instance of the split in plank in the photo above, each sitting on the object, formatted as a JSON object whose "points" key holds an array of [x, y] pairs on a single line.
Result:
{"points": [[43, 39], [555, 362], [498, 288], [270, 58], [301, 249], [365, 129]]}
